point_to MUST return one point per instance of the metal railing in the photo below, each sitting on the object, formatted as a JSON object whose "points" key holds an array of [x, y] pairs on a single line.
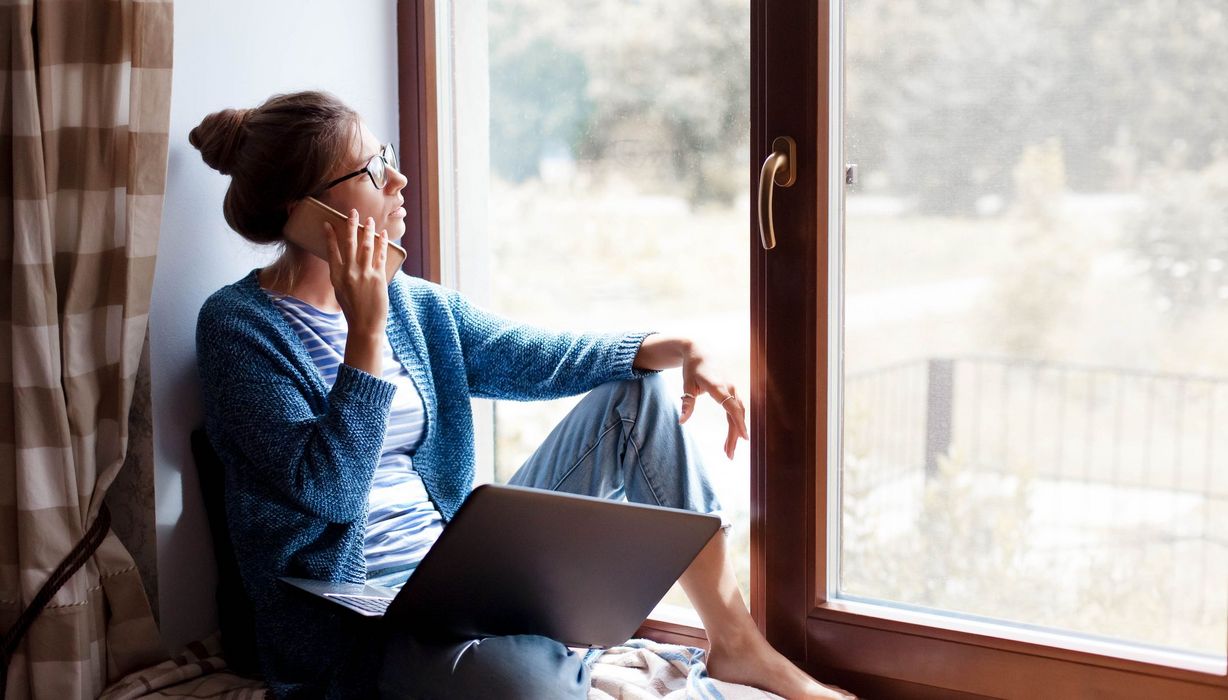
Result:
{"points": [[1101, 425], [1140, 458]]}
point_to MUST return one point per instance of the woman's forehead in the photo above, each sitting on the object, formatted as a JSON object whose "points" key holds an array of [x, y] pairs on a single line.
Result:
{"points": [[366, 145]]}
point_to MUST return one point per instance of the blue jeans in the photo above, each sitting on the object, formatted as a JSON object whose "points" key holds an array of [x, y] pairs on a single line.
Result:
{"points": [[621, 440]]}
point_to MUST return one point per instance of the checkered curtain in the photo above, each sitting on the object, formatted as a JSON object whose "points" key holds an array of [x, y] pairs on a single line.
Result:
{"points": [[83, 143]]}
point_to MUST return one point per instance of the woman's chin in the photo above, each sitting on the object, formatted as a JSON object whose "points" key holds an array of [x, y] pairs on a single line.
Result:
{"points": [[396, 230]]}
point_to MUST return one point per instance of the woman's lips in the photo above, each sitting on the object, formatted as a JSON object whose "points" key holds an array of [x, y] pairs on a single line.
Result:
{"points": [[399, 213]]}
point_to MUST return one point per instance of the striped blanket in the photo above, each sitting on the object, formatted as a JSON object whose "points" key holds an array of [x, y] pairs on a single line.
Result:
{"points": [[642, 669], [637, 670]]}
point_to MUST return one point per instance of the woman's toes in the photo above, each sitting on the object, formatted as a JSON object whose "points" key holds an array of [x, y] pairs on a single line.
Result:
{"points": [[766, 669]]}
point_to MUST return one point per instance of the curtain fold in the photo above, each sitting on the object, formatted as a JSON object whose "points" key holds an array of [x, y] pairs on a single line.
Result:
{"points": [[83, 144]]}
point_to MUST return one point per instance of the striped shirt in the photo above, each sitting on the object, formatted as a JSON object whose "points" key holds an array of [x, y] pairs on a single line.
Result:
{"points": [[402, 523]]}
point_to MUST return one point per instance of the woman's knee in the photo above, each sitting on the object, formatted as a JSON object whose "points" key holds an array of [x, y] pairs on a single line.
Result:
{"points": [[514, 666], [646, 393], [653, 386], [531, 666]]}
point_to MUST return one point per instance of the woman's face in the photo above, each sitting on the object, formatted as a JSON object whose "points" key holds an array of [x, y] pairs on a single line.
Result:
{"points": [[385, 205]]}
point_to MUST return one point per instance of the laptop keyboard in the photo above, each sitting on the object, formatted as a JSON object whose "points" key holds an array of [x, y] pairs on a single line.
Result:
{"points": [[371, 604]]}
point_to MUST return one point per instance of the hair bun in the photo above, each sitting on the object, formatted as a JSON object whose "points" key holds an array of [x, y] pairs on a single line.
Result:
{"points": [[218, 138]]}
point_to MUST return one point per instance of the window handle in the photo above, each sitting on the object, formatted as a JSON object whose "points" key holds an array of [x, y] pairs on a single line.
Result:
{"points": [[779, 168]]}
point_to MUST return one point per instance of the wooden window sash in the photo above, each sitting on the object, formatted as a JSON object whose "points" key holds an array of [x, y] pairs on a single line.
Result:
{"points": [[417, 98], [868, 653]]}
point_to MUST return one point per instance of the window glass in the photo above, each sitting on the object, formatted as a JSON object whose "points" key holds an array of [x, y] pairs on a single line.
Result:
{"points": [[596, 175], [1035, 338]]}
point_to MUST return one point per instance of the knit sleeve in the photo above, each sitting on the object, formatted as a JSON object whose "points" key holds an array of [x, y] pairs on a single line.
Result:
{"points": [[321, 459], [508, 360]]}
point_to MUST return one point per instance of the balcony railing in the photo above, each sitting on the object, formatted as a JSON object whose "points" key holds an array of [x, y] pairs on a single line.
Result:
{"points": [[1107, 464]]}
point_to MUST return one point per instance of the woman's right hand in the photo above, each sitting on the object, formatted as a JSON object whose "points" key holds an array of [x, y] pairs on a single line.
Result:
{"points": [[356, 264]]}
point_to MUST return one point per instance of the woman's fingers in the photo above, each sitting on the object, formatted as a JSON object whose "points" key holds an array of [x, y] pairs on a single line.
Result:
{"points": [[731, 436], [381, 252], [690, 390], [334, 251], [726, 396], [349, 245], [366, 249], [735, 417], [736, 412]]}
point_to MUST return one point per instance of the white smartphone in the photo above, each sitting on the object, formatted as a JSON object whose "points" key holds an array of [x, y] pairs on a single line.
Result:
{"points": [[305, 228]]}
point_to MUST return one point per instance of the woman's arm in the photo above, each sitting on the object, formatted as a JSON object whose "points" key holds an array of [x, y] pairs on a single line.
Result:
{"points": [[659, 352], [515, 361], [321, 461]]}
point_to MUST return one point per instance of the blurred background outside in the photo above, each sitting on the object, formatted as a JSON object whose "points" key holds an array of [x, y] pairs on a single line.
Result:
{"points": [[1034, 280], [1036, 314]]}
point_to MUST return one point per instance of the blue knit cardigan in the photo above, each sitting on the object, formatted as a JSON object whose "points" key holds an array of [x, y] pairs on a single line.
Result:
{"points": [[299, 457]]}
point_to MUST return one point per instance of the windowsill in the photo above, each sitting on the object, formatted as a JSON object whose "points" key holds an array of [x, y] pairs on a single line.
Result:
{"points": [[676, 615], [674, 624], [1002, 636]]}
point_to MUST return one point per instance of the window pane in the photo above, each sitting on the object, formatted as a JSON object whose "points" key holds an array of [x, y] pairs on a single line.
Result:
{"points": [[1035, 376], [600, 183]]}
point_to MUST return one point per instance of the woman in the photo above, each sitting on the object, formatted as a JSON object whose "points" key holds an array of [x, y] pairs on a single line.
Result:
{"points": [[340, 407]]}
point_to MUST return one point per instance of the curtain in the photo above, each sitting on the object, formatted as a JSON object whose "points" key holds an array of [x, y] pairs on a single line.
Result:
{"points": [[83, 144]]}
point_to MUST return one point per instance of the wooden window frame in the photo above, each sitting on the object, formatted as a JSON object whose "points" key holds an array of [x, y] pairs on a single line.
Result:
{"points": [[418, 101], [873, 655], [869, 653]]}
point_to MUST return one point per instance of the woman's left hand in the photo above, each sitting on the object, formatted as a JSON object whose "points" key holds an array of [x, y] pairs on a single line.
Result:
{"points": [[697, 381]]}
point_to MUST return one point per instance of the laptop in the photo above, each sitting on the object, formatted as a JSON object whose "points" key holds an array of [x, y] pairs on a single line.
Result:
{"points": [[584, 571]]}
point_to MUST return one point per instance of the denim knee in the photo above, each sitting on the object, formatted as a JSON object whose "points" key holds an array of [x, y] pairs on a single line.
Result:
{"points": [[514, 666], [653, 387], [646, 393]]}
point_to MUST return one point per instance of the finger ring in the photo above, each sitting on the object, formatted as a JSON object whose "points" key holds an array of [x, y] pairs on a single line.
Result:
{"points": [[687, 396], [731, 396]]}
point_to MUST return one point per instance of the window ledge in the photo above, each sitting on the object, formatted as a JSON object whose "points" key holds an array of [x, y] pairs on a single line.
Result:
{"points": [[1024, 640], [674, 624]]}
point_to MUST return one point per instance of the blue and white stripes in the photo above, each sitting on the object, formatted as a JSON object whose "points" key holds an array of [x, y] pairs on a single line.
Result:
{"points": [[402, 523]]}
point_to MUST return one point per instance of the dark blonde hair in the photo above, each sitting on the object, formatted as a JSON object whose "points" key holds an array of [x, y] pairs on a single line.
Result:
{"points": [[275, 154]]}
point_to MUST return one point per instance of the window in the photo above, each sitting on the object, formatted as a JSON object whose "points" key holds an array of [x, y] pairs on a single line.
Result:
{"points": [[992, 358], [594, 159], [1035, 367]]}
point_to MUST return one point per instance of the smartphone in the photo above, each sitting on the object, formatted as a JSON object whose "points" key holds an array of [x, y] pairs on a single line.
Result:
{"points": [[305, 228]]}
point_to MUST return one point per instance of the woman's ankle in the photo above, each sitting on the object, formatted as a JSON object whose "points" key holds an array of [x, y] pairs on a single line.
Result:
{"points": [[735, 639]]}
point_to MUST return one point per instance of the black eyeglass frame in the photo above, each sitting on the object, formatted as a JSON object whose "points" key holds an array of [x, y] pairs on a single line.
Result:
{"points": [[390, 161]]}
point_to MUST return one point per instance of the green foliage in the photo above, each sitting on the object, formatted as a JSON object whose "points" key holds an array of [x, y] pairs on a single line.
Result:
{"points": [[1182, 236], [537, 103], [655, 90], [945, 95], [1036, 286]]}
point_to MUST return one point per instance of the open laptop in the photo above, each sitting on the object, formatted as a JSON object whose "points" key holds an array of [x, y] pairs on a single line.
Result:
{"points": [[584, 571]]}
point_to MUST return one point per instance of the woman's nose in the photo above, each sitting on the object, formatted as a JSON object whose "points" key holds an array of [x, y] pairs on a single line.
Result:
{"points": [[396, 180]]}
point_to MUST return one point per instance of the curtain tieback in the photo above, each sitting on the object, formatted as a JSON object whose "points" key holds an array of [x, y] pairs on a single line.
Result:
{"points": [[78, 556]]}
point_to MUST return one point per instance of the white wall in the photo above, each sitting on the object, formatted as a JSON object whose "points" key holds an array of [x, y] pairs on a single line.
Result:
{"points": [[233, 53]]}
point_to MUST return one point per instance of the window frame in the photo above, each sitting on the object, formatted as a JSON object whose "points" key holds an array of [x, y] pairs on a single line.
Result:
{"points": [[419, 129], [883, 653], [791, 93]]}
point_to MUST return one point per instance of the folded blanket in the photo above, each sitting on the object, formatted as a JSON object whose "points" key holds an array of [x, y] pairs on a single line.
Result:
{"points": [[198, 672], [643, 669], [638, 670]]}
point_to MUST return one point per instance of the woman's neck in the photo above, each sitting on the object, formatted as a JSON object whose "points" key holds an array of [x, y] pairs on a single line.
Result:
{"points": [[301, 275]]}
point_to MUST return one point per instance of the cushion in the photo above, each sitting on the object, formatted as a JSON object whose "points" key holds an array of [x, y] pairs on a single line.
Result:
{"points": [[235, 615]]}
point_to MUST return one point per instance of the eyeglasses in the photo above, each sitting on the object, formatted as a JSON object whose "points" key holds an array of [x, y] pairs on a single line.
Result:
{"points": [[376, 169]]}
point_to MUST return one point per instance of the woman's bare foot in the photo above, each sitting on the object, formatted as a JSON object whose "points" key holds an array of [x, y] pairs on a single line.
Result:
{"points": [[739, 652], [755, 663]]}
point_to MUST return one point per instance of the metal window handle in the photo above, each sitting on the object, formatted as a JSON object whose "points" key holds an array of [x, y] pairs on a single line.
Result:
{"points": [[779, 168]]}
